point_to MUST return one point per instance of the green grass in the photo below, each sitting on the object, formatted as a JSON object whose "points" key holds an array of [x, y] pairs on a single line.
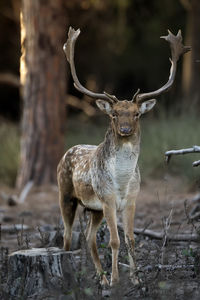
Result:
{"points": [[158, 136], [164, 134], [82, 131], [9, 153]]}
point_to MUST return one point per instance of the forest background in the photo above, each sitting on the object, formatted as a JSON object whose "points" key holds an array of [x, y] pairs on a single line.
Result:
{"points": [[119, 51]]}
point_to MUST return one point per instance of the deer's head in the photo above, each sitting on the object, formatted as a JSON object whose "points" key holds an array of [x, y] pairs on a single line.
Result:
{"points": [[125, 114]]}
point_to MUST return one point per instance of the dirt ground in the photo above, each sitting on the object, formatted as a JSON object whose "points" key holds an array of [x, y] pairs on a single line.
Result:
{"points": [[41, 209], [157, 201]]}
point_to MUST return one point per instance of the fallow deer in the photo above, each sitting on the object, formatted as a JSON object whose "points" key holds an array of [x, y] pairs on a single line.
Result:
{"points": [[105, 179]]}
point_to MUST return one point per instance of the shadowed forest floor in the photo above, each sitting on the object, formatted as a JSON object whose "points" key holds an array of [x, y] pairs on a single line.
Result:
{"points": [[165, 269]]}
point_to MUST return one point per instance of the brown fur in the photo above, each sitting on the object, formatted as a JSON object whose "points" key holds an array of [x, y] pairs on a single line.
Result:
{"points": [[104, 179]]}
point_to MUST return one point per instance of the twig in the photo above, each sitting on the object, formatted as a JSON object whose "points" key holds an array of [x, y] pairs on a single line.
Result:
{"points": [[20, 235], [26, 190], [195, 216], [166, 226], [44, 237], [194, 149], [196, 163], [159, 266]]}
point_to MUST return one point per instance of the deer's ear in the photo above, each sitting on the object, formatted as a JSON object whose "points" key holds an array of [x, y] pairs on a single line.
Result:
{"points": [[104, 106], [147, 106]]}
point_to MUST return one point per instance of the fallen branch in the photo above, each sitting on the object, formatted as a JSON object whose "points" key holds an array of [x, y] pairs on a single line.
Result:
{"points": [[160, 266], [196, 198], [26, 190], [194, 149], [161, 235], [173, 237], [195, 216], [86, 107], [10, 79], [13, 228]]}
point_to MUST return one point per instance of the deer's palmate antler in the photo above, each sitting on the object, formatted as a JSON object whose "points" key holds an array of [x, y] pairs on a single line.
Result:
{"points": [[106, 178]]}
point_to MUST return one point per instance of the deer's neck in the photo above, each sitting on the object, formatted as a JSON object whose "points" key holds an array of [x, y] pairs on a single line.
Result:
{"points": [[114, 144]]}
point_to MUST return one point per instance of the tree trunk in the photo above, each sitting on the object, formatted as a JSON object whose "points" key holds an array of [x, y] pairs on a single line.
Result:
{"points": [[42, 74], [191, 65], [41, 273], [195, 61], [186, 73]]}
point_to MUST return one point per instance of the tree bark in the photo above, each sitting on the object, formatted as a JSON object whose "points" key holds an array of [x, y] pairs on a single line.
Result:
{"points": [[42, 74], [41, 273], [195, 60], [191, 64]]}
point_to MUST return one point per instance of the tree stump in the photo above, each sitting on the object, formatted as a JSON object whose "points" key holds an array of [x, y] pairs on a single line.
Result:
{"points": [[41, 273]]}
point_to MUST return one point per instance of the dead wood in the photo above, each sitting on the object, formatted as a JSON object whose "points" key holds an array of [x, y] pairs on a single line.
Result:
{"points": [[25, 191], [161, 266], [14, 228], [173, 237], [85, 106], [10, 79], [194, 149], [195, 198], [36, 272]]}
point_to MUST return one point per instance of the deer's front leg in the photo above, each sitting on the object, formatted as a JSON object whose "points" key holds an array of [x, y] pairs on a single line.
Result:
{"points": [[128, 220], [111, 219]]}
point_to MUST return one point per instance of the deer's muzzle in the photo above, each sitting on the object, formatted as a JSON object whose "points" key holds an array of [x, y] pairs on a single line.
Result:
{"points": [[125, 130]]}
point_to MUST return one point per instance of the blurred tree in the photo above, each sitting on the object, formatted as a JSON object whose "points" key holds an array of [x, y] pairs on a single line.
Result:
{"points": [[42, 74], [191, 70], [9, 59], [120, 49]]}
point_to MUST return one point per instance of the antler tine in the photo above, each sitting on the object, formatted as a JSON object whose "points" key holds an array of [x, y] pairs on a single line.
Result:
{"points": [[135, 95], [177, 49], [112, 97], [69, 51]]}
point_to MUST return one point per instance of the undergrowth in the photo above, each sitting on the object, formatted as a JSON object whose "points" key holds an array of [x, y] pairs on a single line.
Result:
{"points": [[163, 134], [165, 269], [9, 152], [158, 136]]}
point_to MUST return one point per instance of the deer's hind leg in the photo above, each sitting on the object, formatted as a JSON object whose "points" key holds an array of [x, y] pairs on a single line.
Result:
{"points": [[68, 206], [95, 220]]}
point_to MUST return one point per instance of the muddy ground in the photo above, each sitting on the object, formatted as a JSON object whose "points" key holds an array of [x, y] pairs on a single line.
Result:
{"points": [[166, 269]]}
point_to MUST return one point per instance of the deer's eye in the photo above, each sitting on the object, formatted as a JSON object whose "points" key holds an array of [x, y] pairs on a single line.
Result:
{"points": [[114, 115]]}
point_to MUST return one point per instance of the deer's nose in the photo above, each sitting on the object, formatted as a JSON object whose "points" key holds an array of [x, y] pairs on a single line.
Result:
{"points": [[125, 130]]}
